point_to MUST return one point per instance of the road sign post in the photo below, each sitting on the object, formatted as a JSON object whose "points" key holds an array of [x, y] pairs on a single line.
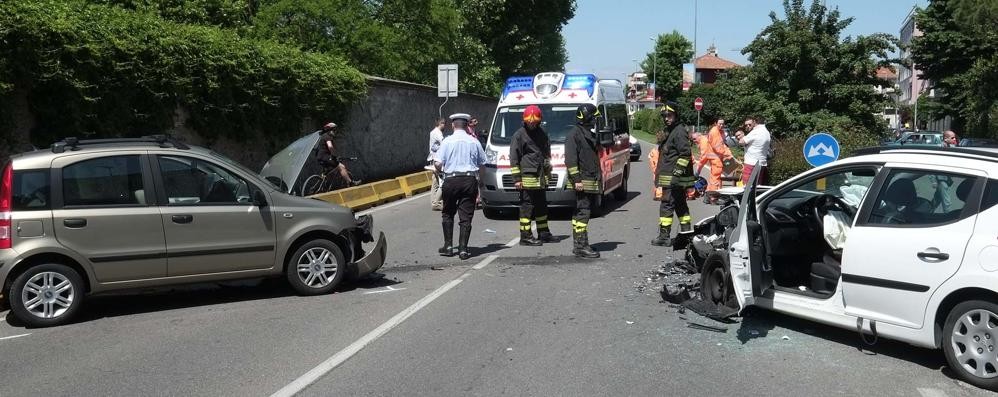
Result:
{"points": [[820, 149], [446, 84], [698, 105]]}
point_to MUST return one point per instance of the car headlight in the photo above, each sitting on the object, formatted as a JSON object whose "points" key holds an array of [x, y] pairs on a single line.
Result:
{"points": [[491, 156]]}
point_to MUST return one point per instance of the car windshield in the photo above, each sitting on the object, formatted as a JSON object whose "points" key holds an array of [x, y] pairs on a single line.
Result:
{"points": [[557, 121]]}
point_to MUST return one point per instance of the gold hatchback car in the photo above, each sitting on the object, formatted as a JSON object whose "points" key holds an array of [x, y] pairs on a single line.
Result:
{"points": [[87, 217]]}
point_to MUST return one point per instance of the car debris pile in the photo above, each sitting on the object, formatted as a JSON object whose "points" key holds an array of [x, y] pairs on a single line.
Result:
{"points": [[699, 280]]}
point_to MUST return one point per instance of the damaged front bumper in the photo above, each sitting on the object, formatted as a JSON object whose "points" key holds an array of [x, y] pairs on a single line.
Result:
{"points": [[369, 262]]}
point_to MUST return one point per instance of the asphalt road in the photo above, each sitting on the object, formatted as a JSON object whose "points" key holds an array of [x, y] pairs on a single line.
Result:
{"points": [[512, 320]]}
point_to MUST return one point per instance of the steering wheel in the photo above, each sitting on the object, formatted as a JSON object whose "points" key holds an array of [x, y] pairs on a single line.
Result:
{"points": [[821, 205]]}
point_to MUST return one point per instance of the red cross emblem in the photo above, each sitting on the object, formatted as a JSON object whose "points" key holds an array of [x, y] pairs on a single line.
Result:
{"points": [[519, 96], [571, 95]]}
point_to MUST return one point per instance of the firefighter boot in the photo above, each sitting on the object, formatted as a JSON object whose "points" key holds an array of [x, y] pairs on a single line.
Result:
{"points": [[463, 241], [663, 239], [582, 248], [527, 237], [545, 236], [448, 248]]}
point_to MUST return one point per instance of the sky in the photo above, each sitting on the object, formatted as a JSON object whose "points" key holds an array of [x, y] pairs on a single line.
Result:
{"points": [[606, 36]]}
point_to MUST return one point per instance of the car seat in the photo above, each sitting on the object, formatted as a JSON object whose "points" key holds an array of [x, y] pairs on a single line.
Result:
{"points": [[894, 207]]}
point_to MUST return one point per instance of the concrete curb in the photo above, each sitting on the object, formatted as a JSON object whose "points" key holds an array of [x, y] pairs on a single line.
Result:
{"points": [[380, 192]]}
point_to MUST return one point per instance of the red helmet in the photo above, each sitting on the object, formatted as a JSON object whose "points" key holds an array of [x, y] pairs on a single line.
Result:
{"points": [[532, 114]]}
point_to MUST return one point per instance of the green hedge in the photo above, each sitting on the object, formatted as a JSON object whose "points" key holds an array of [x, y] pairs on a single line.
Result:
{"points": [[648, 120], [103, 71], [788, 159]]}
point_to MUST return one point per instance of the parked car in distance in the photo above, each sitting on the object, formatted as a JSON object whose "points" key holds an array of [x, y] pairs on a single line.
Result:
{"points": [[93, 216], [920, 138], [978, 142]]}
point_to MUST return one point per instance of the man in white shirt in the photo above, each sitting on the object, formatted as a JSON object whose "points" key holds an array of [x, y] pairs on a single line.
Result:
{"points": [[757, 144], [436, 138]]}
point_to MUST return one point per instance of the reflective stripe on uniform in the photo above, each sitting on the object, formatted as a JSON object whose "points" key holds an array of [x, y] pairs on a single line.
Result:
{"points": [[682, 162], [525, 224], [542, 222], [578, 226], [664, 180], [665, 221], [514, 170], [573, 170], [684, 219], [531, 181]]}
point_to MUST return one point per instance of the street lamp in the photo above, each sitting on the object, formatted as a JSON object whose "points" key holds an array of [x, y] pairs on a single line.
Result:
{"points": [[654, 70]]}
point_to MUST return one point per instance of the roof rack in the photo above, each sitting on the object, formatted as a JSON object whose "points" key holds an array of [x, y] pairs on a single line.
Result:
{"points": [[163, 140], [969, 152]]}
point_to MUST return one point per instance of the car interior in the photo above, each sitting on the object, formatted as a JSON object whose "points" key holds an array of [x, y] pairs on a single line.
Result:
{"points": [[804, 257], [805, 226]]}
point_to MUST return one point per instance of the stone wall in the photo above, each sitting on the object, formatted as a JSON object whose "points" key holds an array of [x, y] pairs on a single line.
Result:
{"points": [[389, 131]]}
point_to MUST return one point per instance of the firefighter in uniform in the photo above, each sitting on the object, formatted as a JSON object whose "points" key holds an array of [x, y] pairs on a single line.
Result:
{"points": [[530, 161], [459, 158], [673, 175], [582, 160]]}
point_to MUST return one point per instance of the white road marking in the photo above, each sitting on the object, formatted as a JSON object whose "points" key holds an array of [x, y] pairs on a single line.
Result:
{"points": [[513, 242], [340, 357], [387, 289], [932, 392], [394, 204], [485, 262], [14, 336]]}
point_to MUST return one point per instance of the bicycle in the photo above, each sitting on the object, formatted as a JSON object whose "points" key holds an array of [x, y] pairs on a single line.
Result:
{"points": [[326, 181]]}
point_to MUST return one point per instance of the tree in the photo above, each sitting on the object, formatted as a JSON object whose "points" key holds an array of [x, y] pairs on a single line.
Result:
{"points": [[808, 78], [957, 53], [665, 63], [522, 37]]}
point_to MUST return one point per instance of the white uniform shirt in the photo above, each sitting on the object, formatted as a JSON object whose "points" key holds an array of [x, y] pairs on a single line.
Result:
{"points": [[436, 139], [757, 145]]}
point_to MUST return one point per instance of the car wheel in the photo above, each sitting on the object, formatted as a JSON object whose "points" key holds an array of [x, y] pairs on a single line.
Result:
{"points": [[46, 295], [316, 267], [970, 342], [715, 282]]}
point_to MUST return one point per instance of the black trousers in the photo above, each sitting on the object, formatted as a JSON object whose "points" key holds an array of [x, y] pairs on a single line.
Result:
{"points": [[673, 203], [533, 207], [583, 211], [458, 194]]}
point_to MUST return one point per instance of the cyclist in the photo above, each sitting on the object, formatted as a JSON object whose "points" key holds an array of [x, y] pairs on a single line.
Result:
{"points": [[325, 157]]}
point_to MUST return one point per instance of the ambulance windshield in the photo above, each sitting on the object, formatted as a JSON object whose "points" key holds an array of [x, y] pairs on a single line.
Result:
{"points": [[557, 121]]}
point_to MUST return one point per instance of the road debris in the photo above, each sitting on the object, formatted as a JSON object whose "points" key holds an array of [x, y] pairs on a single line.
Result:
{"points": [[488, 231], [786, 337], [629, 322], [706, 327]]}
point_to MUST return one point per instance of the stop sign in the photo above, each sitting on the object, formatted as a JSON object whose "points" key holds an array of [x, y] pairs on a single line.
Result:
{"points": [[698, 104]]}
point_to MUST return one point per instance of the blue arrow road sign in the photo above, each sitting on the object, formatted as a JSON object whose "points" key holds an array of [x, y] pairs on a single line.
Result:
{"points": [[821, 149]]}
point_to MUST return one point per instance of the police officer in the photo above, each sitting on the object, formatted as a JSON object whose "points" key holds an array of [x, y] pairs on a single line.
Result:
{"points": [[582, 160], [530, 160], [459, 158], [673, 175]]}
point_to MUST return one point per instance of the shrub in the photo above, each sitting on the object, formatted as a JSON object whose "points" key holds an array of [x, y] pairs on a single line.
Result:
{"points": [[789, 161], [103, 71], [648, 120]]}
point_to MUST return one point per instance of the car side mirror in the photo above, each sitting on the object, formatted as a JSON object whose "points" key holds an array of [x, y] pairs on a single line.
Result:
{"points": [[728, 216], [259, 198], [606, 137]]}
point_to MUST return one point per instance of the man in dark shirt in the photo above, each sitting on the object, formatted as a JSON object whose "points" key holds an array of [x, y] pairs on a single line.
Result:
{"points": [[326, 157], [673, 175], [530, 165]]}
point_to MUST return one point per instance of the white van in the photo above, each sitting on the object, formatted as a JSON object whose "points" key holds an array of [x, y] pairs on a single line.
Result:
{"points": [[558, 95]]}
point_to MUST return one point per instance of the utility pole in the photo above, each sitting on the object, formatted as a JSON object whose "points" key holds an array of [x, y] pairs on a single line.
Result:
{"points": [[694, 31], [654, 70]]}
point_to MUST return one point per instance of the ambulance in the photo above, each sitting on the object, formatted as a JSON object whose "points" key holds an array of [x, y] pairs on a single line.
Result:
{"points": [[558, 95]]}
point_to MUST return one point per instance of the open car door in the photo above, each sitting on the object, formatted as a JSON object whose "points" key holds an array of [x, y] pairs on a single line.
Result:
{"points": [[747, 250]]}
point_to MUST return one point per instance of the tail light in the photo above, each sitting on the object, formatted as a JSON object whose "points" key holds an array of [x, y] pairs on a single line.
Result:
{"points": [[6, 205]]}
